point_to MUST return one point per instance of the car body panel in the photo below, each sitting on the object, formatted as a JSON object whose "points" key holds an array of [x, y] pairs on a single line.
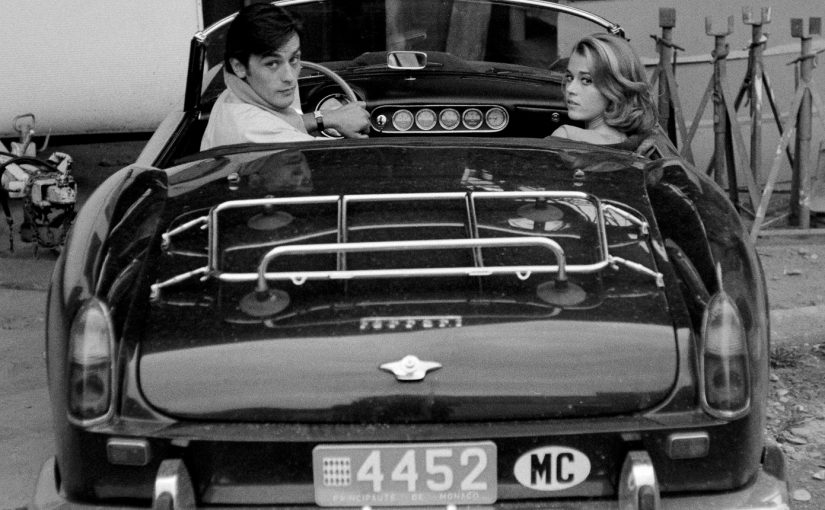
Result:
{"points": [[531, 377]]}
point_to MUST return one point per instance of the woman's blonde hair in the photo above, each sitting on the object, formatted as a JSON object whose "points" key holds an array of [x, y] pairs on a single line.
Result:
{"points": [[620, 77]]}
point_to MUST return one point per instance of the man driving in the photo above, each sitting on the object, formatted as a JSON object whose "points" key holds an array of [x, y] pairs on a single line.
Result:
{"points": [[261, 103]]}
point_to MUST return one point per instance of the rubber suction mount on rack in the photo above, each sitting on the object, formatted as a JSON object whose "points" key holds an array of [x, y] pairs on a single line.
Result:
{"points": [[264, 303], [270, 219], [540, 212], [561, 293]]}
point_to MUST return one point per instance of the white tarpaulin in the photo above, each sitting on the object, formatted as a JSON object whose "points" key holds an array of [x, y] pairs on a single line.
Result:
{"points": [[94, 66]]}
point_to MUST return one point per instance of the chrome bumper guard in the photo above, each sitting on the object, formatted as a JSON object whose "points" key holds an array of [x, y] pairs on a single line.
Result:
{"points": [[638, 487], [173, 487]]}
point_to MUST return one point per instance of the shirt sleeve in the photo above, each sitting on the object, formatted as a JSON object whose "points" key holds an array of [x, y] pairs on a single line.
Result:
{"points": [[233, 122], [259, 126], [268, 133]]}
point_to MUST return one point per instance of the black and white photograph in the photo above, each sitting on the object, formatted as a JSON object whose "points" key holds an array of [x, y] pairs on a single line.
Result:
{"points": [[412, 254]]}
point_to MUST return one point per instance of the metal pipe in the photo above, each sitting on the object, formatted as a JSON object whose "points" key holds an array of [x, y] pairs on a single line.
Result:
{"points": [[757, 47], [386, 246], [720, 51], [667, 20], [800, 178]]}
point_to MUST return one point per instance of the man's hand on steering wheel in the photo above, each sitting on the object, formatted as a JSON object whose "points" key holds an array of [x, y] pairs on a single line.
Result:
{"points": [[351, 120]]}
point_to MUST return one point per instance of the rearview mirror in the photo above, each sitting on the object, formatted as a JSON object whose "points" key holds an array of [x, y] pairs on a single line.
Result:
{"points": [[406, 60]]}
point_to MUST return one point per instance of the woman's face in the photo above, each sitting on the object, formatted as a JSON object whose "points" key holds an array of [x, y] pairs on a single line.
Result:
{"points": [[584, 100], [274, 76]]}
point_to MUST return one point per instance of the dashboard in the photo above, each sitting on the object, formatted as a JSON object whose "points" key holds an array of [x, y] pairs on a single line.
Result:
{"points": [[454, 105]]}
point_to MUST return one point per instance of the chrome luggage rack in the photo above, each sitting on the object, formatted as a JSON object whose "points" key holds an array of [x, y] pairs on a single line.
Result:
{"points": [[342, 246]]}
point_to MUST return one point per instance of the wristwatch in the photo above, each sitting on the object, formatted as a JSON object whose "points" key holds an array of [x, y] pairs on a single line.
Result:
{"points": [[319, 120]]}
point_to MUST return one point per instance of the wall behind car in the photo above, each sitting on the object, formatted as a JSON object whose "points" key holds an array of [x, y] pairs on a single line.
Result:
{"points": [[94, 66]]}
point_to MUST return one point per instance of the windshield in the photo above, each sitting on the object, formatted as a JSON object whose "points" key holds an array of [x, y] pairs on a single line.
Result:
{"points": [[526, 36]]}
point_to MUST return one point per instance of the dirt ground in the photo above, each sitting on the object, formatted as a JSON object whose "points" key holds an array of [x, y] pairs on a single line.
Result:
{"points": [[795, 275]]}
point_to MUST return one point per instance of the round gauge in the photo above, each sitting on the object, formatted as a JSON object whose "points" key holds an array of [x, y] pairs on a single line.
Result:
{"points": [[425, 119], [472, 118], [449, 118], [402, 120], [496, 117]]}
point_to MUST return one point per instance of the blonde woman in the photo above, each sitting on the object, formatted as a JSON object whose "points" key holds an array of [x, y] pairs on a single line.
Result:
{"points": [[606, 89]]}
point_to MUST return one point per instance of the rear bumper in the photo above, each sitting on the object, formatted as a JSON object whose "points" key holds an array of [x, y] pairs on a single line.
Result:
{"points": [[769, 491]]}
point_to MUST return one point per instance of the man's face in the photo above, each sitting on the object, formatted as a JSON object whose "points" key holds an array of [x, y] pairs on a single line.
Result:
{"points": [[274, 76]]}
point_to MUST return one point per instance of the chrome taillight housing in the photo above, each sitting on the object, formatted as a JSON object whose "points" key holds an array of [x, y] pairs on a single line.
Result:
{"points": [[91, 363], [724, 363]]}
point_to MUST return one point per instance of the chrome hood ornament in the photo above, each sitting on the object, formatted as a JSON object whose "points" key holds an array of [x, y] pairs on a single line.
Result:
{"points": [[410, 368]]}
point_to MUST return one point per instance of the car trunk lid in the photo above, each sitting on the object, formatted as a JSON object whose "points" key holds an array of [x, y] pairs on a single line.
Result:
{"points": [[527, 342]]}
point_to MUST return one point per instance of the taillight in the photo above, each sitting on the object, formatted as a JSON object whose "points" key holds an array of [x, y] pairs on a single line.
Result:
{"points": [[724, 360], [91, 343]]}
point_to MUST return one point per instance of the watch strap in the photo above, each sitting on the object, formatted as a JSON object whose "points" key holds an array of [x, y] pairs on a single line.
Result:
{"points": [[319, 120]]}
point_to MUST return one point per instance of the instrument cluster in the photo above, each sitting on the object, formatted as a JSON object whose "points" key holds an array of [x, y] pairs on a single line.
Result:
{"points": [[439, 119]]}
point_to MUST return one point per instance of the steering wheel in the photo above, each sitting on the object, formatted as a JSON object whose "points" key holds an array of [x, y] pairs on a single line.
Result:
{"points": [[345, 88], [332, 75]]}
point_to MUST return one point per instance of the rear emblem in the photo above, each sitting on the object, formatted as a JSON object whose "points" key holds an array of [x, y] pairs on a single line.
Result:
{"points": [[410, 368]]}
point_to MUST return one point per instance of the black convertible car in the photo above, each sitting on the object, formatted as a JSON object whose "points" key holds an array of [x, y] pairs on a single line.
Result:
{"points": [[457, 311]]}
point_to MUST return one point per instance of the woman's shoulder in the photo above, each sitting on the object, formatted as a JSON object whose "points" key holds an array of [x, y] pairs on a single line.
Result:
{"points": [[561, 132], [588, 135]]}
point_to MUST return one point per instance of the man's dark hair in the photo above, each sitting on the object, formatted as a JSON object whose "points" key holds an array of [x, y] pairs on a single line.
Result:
{"points": [[259, 29]]}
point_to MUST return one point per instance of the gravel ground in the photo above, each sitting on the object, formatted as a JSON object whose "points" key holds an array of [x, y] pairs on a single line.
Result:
{"points": [[795, 275]]}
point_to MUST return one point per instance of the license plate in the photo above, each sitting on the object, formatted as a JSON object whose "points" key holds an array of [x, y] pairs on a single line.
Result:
{"points": [[419, 474]]}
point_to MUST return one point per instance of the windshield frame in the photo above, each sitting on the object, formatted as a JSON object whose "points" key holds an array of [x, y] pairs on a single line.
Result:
{"points": [[201, 40]]}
